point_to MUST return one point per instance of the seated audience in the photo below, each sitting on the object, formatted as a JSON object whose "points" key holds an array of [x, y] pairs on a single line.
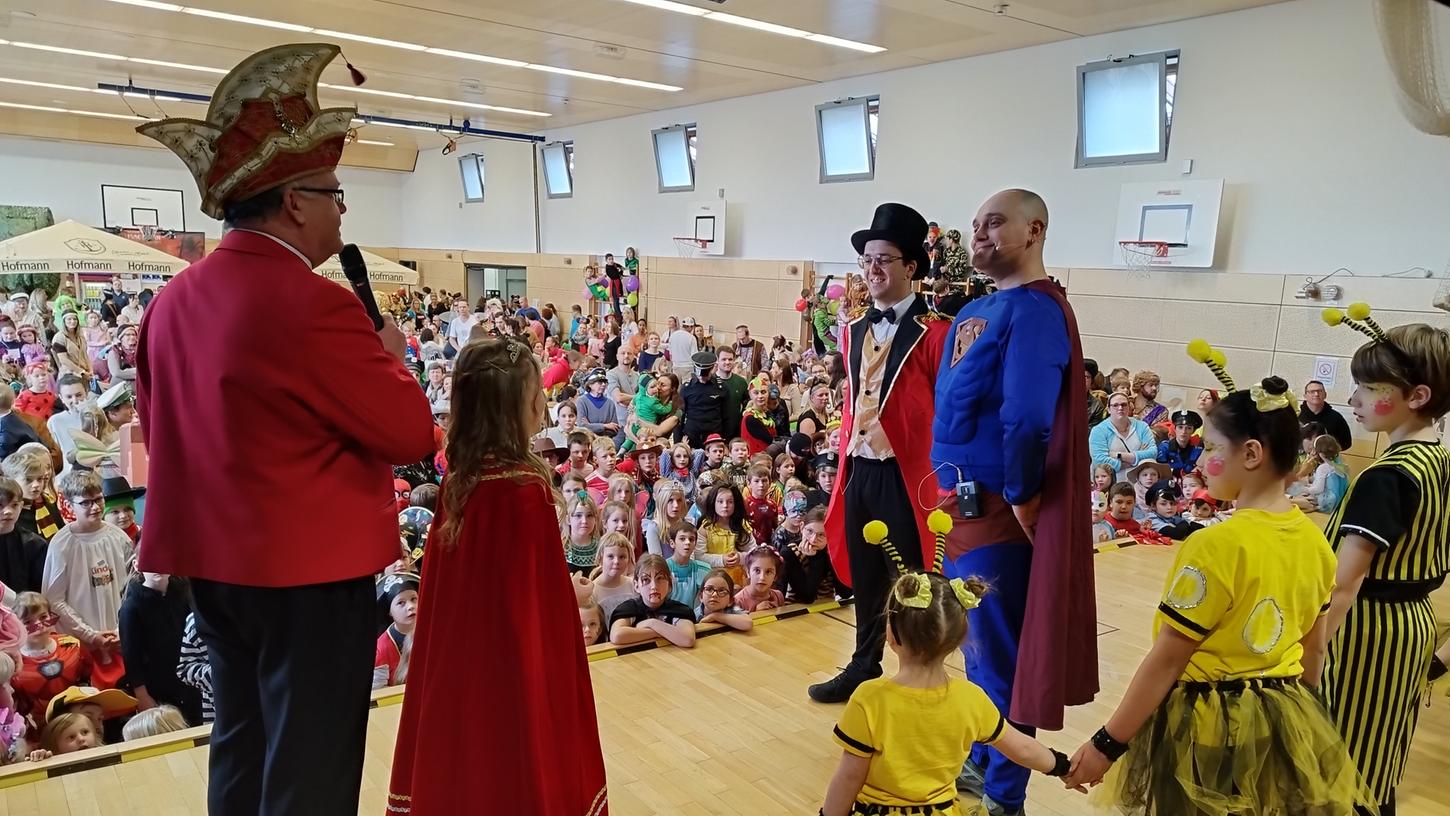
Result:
{"points": [[1181, 451], [653, 613], [717, 603], [1123, 440]]}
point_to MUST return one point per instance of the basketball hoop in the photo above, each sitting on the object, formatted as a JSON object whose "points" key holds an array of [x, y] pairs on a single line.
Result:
{"points": [[690, 247], [1141, 256]]}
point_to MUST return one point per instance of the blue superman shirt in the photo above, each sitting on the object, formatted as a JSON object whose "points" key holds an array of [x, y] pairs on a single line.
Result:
{"points": [[996, 392]]}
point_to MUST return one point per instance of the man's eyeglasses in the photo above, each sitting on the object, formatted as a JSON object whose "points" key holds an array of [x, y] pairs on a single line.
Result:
{"points": [[99, 501], [882, 261], [335, 192]]}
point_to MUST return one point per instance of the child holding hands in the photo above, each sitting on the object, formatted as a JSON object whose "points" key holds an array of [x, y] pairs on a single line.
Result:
{"points": [[904, 739]]}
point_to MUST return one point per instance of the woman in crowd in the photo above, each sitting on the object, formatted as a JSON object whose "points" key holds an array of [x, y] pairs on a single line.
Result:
{"points": [[612, 340], [69, 346], [121, 356], [814, 418], [1123, 441], [703, 340]]}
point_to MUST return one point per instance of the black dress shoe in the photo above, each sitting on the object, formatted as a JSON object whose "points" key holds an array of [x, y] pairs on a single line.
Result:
{"points": [[839, 688]]}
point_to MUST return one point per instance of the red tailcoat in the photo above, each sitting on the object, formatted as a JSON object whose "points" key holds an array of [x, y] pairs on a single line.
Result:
{"points": [[906, 414], [272, 415]]}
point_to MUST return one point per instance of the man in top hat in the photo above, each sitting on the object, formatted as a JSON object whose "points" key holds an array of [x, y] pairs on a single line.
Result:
{"points": [[704, 401], [1009, 452], [891, 354], [230, 438], [1181, 451]]}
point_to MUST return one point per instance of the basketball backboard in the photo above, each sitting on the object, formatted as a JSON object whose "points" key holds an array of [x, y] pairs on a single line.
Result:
{"points": [[1181, 214]]}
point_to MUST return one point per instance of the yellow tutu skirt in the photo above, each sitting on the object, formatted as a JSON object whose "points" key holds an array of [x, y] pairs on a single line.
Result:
{"points": [[1261, 747]]}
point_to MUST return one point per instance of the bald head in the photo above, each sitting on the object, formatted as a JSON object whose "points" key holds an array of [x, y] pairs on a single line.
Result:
{"points": [[1007, 236]]}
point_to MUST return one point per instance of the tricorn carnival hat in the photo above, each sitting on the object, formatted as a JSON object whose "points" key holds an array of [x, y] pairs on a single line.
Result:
{"points": [[903, 227], [264, 127]]}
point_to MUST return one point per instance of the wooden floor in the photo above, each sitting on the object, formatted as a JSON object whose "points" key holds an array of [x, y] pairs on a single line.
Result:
{"points": [[727, 728]]}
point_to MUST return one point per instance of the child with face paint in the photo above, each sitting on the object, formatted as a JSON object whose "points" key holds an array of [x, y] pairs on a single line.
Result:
{"points": [[1240, 626], [1393, 547]]}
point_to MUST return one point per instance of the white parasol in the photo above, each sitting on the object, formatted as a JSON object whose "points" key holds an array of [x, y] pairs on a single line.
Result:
{"points": [[70, 248], [381, 272]]}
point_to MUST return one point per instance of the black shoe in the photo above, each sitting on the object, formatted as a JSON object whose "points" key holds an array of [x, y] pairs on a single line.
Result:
{"points": [[839, 688]]}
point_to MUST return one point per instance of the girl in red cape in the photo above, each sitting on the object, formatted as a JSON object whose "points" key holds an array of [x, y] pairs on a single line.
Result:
{"points": [[498, 716]]}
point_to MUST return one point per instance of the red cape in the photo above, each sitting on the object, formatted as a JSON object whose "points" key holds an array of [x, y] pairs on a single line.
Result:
{"points": [[499, 711], [1057, 660]]}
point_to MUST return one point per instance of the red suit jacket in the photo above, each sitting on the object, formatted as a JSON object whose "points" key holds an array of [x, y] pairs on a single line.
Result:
{"points": [[906, 412], [271, 414]]}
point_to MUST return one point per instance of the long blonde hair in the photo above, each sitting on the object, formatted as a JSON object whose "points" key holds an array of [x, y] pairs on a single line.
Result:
{"points": [[493, 380]]}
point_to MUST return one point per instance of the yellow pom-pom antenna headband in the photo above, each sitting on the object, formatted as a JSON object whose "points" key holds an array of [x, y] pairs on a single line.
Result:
{"points": [[1202, 352], [1357, 318], [875, 532], [940, 523]]}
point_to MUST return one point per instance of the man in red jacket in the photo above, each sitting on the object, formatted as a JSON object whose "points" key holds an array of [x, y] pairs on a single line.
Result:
{"points": [[270, 483], [892, 355]]}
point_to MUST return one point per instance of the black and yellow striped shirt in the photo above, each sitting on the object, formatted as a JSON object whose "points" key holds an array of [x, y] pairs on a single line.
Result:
{"points": [[1401, 502]]}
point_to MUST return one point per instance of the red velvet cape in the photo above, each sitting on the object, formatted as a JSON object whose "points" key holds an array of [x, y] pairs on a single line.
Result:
{"points": [[499, 711], [1057, 659]]}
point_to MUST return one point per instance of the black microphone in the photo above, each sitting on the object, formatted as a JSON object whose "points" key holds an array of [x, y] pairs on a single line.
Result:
{"points": [[356, 271]]}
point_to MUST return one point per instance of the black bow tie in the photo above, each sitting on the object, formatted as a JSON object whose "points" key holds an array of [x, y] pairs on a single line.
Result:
{"points": [[875, 315]]}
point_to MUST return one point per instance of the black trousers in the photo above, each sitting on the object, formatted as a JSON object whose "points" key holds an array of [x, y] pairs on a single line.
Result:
{"points": [[292, 675], [875, 491]]}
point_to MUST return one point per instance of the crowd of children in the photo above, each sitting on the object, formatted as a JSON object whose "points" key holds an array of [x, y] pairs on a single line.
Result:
{"points": [[663, 536]]}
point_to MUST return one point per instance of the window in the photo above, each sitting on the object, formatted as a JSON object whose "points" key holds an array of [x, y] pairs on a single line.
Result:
{"points": [[846, 134], [675, 158], [559, 169], [471, 166], [1125, 109]]}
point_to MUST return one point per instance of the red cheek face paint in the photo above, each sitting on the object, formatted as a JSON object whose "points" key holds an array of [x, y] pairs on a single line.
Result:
{"points": [[1384, 407], [1215, 466]]}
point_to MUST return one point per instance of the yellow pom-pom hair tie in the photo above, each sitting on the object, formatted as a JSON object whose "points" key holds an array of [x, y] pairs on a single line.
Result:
{"points": [[1357, 317], [1202, 352], [969, 599], [875, 532], [940, 523], [919, 599]]}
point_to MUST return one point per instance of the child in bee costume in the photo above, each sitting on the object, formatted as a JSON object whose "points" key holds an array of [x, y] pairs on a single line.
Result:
{"points": [[1221, 717], [1393, 543]]}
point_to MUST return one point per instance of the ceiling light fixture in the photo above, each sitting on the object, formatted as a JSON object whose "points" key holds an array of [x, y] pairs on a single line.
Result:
{"points": [[446, 52], [667, 5], [54, 85], [97, 114], [181, 65], [751, 22], [824, 39], [72, 51], [242, 18], [343, 35], [760, 25], [373, 142], [442, 52]]}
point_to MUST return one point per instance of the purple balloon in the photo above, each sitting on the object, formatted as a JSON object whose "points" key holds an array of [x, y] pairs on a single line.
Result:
{"points": [[631, 283], [835, 291]]}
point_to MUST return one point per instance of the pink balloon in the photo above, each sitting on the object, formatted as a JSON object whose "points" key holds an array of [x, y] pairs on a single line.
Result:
{"points": [[588, 292], [835, 291], [631, 283], [800, 304]]}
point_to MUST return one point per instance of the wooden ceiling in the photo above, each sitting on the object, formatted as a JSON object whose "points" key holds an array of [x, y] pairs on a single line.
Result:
{"points": [[706, 58]]}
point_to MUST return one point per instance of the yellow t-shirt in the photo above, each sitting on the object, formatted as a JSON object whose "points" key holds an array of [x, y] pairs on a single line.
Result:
{"points": [[916, 738], [1248, 590]]}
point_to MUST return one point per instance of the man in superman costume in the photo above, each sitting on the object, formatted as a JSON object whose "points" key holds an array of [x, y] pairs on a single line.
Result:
{"points": [[1010, 431], [892, 353]]}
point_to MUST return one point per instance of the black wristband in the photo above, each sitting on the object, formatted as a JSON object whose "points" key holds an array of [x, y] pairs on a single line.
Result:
{"points": [[1064, 764], [1107, 746], [1437, 668]]}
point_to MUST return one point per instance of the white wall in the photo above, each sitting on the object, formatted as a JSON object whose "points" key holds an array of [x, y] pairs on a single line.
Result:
{"points": [[67, 178], [1291, 104], [431, 200]]}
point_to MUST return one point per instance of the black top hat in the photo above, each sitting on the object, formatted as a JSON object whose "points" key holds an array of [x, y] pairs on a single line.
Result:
{"points": [[116, 488], [904, 228]]}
